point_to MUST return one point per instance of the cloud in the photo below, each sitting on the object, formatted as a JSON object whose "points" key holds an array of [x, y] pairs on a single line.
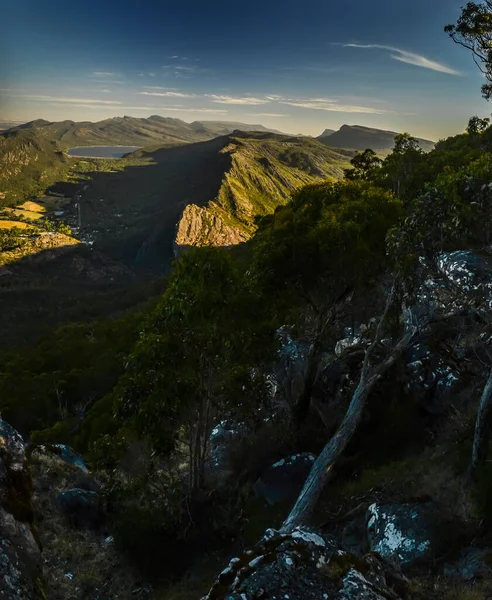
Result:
{"points": [[160, 87], [168, 94], [408, 57], [212, 111], [104, 74], [334, 106], [264, 115], [63, 100], [237, 100]]}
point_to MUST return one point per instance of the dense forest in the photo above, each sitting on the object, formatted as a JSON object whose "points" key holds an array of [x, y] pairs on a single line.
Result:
{"points": [[354, 327]]}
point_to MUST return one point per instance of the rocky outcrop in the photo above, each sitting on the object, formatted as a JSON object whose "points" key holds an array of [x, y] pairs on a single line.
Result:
{"points": [[20, 555], [205, 227], [306, 565]]}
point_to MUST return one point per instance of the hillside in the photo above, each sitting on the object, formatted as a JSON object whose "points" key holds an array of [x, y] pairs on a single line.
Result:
{"points": [[213, 189], [29, 163], [357, 137], [32, 158]]}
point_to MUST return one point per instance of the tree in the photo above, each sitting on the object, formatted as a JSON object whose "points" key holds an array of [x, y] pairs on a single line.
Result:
{"points": [[195, 358], [312, 254], [364, 166], [401, 168], [473, 30], [370, 375], [477, 126]]}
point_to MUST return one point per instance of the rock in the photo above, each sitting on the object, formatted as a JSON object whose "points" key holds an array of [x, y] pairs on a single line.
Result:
{"points": [[222, 438], [408, 534], [71, 457], [288, 370], [429, 378], [306, 565], [81, 506], [468, 271], [474, 563], [12, 448], [20, 555], [284, 480]]}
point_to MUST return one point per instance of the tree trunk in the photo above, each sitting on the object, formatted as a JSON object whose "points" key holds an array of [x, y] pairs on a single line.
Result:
{"points": [[323, 465], [301, 408], [482, 427]]}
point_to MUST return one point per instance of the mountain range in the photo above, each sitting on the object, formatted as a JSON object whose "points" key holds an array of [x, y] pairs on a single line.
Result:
{"points": [[132, 131]]}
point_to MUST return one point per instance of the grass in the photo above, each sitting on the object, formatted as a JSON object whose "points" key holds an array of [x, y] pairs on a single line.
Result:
{"points": [[7, 224]]}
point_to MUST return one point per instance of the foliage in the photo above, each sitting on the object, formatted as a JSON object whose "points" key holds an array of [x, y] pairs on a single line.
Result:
{"points": [[330, 235], [454, 212], [195, 357], [13, 238], [473, 30], [364, 166], [57, 381]]}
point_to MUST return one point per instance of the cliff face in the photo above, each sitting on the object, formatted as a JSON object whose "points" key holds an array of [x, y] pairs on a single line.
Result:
{"points": [[205, 227], [263, 171]]}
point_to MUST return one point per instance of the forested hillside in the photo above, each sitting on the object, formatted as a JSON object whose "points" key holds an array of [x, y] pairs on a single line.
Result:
{"points": [[305, 397]]}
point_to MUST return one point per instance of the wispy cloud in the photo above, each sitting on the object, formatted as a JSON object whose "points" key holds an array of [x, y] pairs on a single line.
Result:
{"points": [[160, 87], [334, 106], [168, 94], [264, 114], [212, 111], [104, 74], [408, 57], [237, 100], [64, 100]]}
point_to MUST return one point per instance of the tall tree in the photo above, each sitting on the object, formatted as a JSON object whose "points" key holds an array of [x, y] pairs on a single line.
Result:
{"points": [[364, 166], [473, 30]]}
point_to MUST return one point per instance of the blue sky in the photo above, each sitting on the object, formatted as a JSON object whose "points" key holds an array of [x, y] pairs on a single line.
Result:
{"points": [[297, 66]]}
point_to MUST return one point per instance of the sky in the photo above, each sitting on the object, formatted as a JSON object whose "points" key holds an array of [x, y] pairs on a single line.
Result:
{"points": [[299, 67]]}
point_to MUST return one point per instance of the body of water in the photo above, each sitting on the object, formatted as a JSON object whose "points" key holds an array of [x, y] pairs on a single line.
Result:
{"points": [[101, 151]]}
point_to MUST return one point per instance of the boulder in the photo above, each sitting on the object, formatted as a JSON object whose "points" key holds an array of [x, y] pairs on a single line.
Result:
{"points": [[469, 272], [407, 534], [283, 481], [306, 565], [82, 507], [71, 457]]}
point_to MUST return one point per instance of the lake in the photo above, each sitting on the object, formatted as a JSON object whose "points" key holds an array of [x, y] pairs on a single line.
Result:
{"points": [[101, 151]]}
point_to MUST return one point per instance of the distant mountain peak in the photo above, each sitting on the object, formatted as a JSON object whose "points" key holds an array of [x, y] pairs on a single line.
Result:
{"points": [[360, 137]]}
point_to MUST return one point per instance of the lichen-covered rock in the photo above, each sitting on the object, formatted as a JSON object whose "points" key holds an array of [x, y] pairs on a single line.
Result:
{"points": [[12, 448], [305, 565], [474, 563], [407, 534], [469, 272], [20, 556], [284, 479], [71, 457]]}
